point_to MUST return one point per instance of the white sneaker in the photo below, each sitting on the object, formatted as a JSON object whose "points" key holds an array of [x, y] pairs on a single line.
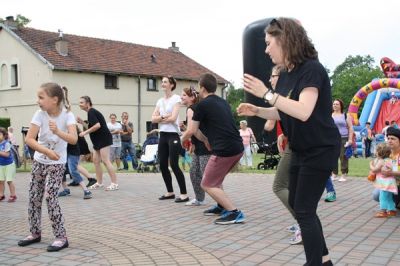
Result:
{"points": [[293, 228], [342, 179], [297, 239], [195, 202]]}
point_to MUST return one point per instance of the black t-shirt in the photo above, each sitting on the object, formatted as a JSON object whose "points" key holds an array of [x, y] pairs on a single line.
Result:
{"points": [[216, 116], [73, 149], [199, 147], [101, 137], [83, 146], [317, 138]]}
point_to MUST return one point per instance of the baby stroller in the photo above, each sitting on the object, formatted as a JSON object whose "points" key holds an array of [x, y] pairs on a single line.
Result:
{"points": [[149, 158], [271, 158]]}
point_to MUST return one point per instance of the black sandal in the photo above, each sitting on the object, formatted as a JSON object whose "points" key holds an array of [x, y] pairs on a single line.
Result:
{"points": [[28, 241], [163, 197], [52, 248]]}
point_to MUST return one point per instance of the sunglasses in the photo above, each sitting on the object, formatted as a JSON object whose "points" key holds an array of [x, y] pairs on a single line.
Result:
{"points": [[276, 22]]}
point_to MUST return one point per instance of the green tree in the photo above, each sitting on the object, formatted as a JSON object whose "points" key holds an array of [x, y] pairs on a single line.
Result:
{"points": [[21, 20], [354, 73], [234, 98]]}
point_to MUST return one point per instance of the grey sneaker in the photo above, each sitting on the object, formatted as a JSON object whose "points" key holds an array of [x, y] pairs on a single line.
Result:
{"points": [[65, 192], [87, 194]]}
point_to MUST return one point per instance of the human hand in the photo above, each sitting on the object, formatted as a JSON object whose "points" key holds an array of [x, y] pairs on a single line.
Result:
{"points": [[82, 134], [254, 86], [52, 155], [280, 141], [208, 145], [247, 109], [79, 120], [53, 126]]}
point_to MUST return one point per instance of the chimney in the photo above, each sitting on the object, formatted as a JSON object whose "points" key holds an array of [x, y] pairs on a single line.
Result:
{"points": [[61, 44], [11, 23], [174, 47]]}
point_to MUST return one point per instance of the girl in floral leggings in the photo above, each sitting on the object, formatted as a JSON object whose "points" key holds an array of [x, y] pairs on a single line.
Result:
{"points": [[55, 126]]}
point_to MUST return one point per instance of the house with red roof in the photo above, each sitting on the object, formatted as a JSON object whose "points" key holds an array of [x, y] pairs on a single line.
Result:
{"points": [[118, 76]]}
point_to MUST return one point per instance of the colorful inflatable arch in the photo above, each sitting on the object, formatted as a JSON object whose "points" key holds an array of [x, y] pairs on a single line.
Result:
{"points": [[364, 91], [390, 68]]}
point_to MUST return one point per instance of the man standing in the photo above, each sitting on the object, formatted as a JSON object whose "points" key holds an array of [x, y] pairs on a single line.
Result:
{"points": [[127, 145], [214, 114]]}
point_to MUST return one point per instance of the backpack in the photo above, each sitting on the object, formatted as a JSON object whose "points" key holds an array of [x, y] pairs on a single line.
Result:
{"points": [[16, 157]]}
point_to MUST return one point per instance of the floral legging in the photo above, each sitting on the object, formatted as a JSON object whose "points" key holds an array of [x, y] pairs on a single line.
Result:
{"points": [[46, 181]]}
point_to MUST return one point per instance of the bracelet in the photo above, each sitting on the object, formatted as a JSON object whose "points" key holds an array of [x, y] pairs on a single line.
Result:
{"points": [[263, 97], [276, 98]]}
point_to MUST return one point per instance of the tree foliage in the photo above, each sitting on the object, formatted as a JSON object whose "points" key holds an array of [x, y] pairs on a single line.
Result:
{"points": [[234, 98], [21, 20], [354, 73]]}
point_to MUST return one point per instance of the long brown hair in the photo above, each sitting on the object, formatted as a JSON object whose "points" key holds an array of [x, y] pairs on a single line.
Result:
{"points": [[296, 46]]}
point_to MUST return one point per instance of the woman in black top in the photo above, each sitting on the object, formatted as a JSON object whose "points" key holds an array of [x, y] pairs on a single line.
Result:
{"points": [[306, 117], [102, 140], [200, 154]]}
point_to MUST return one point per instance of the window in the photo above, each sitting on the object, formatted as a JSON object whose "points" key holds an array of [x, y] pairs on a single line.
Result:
{"points": [[14, 75], [151, 84], [111, 82]]}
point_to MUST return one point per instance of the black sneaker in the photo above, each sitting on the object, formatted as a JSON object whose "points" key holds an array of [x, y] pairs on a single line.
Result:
{"points": [[73, 184], [214, 210], [230, 217], [92, 181]]}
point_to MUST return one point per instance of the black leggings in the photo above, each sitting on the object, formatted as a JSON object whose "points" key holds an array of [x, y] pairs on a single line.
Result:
{"points": [[169, 148], [306, 186]]}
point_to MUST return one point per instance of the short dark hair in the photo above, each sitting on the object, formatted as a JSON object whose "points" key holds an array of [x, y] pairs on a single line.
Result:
{"points": [[209, 82], [368, 123], [4, 132], [387, 123]]}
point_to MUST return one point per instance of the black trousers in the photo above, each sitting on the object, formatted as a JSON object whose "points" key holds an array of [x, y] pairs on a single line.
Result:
{"points": [[169, 148], [306, 186]]}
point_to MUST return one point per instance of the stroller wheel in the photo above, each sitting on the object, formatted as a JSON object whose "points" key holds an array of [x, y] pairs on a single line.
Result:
{"points": [[261, 166]]}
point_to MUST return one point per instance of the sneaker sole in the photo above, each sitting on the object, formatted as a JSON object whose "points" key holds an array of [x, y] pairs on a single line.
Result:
{"points": [[211, 214], [232, 222], [296, 243]]}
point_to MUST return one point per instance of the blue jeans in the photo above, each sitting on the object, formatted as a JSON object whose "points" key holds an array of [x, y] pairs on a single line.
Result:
{"points": [[329, 186], [128, 148], [73, 161]]}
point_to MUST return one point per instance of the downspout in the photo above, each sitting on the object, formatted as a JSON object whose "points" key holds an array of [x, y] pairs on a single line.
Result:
{"points": [[223, 94], [139, 110]]}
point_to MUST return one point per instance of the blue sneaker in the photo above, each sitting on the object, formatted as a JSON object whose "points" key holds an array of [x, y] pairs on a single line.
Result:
{"points": [[87, 194], [65, 192], [214, 210], [231, 217]]}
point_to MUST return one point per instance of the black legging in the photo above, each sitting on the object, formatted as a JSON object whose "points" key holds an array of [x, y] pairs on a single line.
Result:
{"points": [[169, 148], [306, 186]]}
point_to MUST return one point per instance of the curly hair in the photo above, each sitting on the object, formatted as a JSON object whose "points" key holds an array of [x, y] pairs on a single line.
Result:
{"points": [[297, 47]]}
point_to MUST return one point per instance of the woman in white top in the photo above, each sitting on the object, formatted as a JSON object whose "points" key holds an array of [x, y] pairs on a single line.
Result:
{"points": [[166, 115]]}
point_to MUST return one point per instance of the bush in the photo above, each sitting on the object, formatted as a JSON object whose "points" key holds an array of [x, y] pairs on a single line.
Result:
{"points": [[4, 122]]}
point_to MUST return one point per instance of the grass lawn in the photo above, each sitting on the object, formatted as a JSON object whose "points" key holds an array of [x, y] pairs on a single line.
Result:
{"points": [[357, 167]]}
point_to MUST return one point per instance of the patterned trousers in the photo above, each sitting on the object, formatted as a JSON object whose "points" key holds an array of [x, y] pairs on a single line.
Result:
{"points": [[196, 174], [46, 181]]}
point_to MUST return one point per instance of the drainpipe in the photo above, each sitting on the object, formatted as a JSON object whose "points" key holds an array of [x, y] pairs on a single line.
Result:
{"points": [[139, 110], [223, 95]]}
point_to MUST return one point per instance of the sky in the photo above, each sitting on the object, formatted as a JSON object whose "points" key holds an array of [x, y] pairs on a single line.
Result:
{"points": [[211, 31]]}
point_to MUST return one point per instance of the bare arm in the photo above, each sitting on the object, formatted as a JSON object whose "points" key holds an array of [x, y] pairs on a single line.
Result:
{"points": [[269, 125], [156, 117], [301, 109], [350, 127], [94, 128], [247, 109], [171, 118]]}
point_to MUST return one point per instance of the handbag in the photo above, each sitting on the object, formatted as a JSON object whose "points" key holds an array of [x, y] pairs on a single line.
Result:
{"points": [[254, 147]]}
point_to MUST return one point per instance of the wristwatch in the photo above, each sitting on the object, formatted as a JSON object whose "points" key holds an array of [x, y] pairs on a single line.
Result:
{"points": [[268, 96]]}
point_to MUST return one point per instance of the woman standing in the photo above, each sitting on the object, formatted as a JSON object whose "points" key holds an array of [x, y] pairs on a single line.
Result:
{"points": [[345, 126], [306, 116], [200, 154], [102, 140], [169, 147], [248, 137]]}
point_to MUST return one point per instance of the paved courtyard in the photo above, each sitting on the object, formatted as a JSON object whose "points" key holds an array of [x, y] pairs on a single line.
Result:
{"points": [[132, 227]]}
